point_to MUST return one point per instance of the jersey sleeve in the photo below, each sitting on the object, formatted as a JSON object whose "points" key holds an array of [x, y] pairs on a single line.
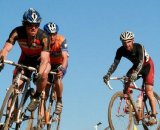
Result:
{"points": [[64, 46], [141, 52], [12, 37], [115, 63]]}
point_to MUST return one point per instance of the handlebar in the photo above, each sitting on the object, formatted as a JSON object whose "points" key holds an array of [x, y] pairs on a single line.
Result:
{"points": [[20, 65], [52, 72], [26, 67], [123, 79]]}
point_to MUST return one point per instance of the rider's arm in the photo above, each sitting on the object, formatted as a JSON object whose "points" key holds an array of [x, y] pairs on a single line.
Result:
{"points": [[113, 67], [6, 49], [44, 61], [116, 62], [9, 44], [44, 55], [141, 51]]}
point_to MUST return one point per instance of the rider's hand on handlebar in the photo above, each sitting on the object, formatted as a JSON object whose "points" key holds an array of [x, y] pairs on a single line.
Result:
{"points": [[1, 63], [36, 76], [61, 71], [106, 78], [133, 76]]}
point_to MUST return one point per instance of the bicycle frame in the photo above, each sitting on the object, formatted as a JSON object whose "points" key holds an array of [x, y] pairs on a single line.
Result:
{"points": [[127, 94], [46, 115], [15, 88]]}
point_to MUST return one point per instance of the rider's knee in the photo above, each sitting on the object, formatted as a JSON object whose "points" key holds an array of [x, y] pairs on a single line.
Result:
{"points": [[42, 77]]}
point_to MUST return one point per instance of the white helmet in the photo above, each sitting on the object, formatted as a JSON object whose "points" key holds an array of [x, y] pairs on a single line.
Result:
{"points": [[126, 36]]}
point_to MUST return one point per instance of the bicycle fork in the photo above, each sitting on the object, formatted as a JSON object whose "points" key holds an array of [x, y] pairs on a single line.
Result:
{"points": [[23, 100], [122, 106]]}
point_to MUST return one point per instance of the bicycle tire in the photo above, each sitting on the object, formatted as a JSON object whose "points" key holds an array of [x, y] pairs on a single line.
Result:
{"points": [[23, 117], [9, 122], [55, 125], [128, 121], [9, 92], [54, 121], [30, 122], [156, 126]]}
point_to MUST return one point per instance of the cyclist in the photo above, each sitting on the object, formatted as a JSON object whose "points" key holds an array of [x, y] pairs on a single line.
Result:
{"points": [[58, 59], [34, 44], [142, 64]]}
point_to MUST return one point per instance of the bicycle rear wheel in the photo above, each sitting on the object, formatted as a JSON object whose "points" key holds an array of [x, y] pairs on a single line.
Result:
{"points": [[119, 113], [148, 111]]}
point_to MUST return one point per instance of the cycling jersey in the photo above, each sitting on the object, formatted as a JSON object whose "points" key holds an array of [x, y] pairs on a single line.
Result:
{"points": [[56, 50], [40, 41], [140, 59], [30, 50]]}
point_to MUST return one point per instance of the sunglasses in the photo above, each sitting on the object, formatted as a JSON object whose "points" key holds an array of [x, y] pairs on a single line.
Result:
{"points": [[30, 25], [52, 34]]}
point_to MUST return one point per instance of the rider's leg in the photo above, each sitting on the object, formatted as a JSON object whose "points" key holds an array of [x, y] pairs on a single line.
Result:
{"points": [[40, 86], [152, 100], [41, 82], [59, 89]]}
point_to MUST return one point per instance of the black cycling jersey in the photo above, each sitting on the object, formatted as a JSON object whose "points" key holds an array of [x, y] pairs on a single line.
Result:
{"points": [[137, 56], [40, 42]]}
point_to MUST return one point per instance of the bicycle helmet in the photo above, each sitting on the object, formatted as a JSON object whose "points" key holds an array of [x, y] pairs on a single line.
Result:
{"points": [[126, 36], [51, 28], [31, 16]]}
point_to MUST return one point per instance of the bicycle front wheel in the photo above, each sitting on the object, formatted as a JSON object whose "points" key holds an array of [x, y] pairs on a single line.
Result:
{"points": [[55, 123], [119, 112]]}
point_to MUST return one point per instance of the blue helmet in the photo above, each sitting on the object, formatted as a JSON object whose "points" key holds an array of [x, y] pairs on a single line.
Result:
{"points": [[51, 28], [31, 16]]}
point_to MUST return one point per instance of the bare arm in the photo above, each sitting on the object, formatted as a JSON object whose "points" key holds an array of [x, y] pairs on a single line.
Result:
{"points": [[6, 49], [44, 61]]}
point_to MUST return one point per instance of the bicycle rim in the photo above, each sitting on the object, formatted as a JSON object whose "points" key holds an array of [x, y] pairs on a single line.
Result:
{"points": [[156, 126], [118, 118], [30, 122], [54, 125], [9, 120], [11, 88]]}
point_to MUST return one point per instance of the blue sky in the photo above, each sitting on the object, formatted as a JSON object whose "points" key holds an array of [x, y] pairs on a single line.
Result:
{"points": [[92, 29]]}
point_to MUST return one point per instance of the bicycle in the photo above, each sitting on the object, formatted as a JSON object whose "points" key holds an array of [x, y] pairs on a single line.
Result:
{"points": [[47, 118], [15, 112], [123, 106]]}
